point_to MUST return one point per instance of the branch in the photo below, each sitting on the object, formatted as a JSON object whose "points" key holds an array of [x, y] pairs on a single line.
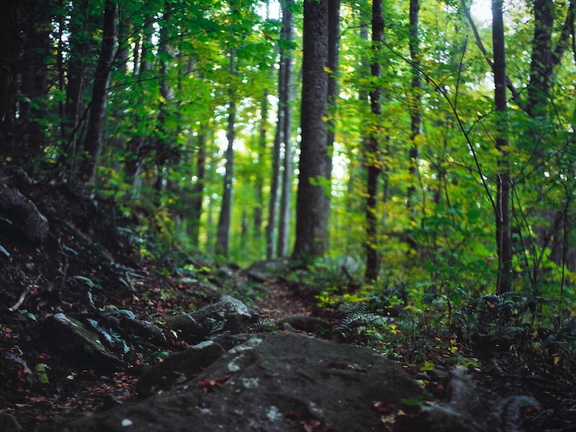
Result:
{"points": [[480, 44], [439, 89], [567, 30]]}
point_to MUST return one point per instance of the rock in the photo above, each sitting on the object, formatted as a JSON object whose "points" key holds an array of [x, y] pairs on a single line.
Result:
{"points": [[272, 382], [78, 343], [305, 323], [8, 423], [227, 315], [145, 329], [20, 214], [265, 270], [183, 365]]}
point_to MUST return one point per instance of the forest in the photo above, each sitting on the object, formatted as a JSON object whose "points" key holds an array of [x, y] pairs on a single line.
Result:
{"points": [[401, 172]]}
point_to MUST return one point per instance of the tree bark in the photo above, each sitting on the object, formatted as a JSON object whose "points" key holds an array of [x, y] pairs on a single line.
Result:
{"points": [[286, 61], [333, 49], [9, 50], [36, 53], [503, 181], [95, 128], [541, 61], [273, 204], [223, 235], [372, 152], [197, 193], [134, 147], [79, 49], [415, 104], [313, 199]]}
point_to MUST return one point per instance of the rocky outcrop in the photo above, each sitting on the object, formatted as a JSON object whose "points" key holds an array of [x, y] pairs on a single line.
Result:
{"points": [[271, 382], [286, 382]]}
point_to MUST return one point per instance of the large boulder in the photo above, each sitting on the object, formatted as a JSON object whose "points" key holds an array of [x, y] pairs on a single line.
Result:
{"points": [[271, 382]]}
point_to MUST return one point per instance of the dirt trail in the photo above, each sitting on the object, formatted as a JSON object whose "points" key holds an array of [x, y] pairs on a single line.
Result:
{"points": [[280, 301]]}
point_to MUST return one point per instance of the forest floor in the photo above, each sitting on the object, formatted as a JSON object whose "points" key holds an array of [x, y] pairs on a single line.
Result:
{"points": [[90, 262], [87, 265]]}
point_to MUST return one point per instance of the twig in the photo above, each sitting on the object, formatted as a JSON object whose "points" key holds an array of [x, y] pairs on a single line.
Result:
{"points": [[25, 294]]}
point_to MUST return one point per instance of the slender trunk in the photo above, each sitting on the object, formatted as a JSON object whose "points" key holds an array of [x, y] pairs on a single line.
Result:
{"points": [[79, 49], [314, 189], [223, 235], [95, 130], [503, 182], [271, 227], [286, 60], [133, 161], [162, 147], [372, 152], [415, 105], [197, 194], [259, 186], [333, 49]]}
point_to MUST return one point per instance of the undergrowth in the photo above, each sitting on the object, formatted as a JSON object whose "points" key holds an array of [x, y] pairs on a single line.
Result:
{"points": [[442, 324]]}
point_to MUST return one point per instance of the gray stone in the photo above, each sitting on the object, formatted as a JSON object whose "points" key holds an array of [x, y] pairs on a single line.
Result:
{"points": [[75, 341], [272, 382], [20, 213], [229, 315], [183, 365], [265, 270]]}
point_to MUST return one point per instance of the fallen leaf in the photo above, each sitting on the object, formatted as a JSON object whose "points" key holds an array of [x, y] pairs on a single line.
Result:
{"points": [[210, 384], [385, 407]]}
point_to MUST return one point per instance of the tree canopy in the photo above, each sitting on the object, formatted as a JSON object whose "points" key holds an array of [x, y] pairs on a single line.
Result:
{"points": [[438, 147]]}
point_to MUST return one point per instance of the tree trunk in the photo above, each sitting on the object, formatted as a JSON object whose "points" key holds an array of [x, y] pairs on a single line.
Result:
{"points": [[133, 160], [372, 152], [33, 80], [415, 104], [9, 50], [503, 182], [197, 194], [95, 129], [333, 49], [259, 186], [223, 235], [163, 149], [286, 60], [313, 199], [271, 227]]}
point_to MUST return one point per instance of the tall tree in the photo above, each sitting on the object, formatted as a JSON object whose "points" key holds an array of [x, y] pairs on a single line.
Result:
{"points": [[95, 128], [372, 150], [332, 66], [314, 189], [503, 180], [415, 101], [285, 104], [224, 220], [271, 227], [280, 189], [31, 76], [197, 193], [76, 75], [142, 69]]}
